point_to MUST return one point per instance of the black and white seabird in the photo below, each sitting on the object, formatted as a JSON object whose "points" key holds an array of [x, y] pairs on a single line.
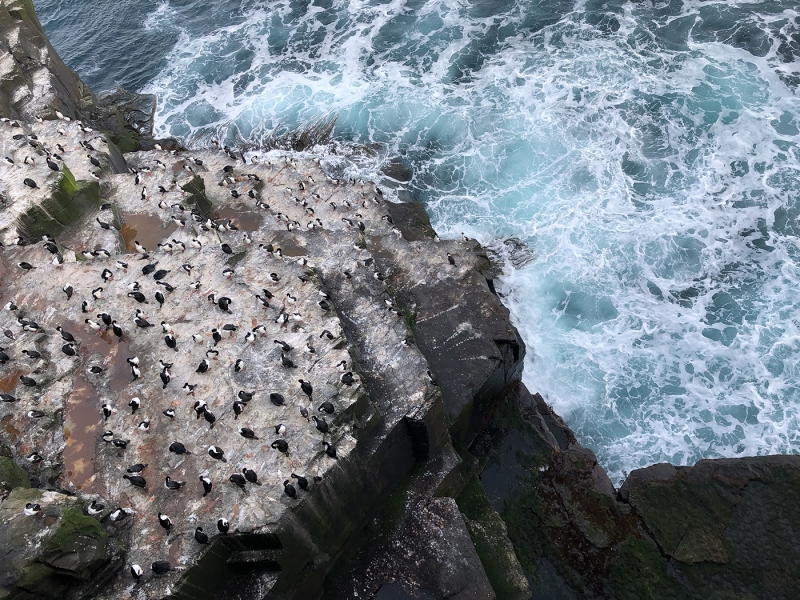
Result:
{"points": [[280, 446], [31, 509], [251, 476], [347, 378], [200, 536], [217, 453], [65, 335], [306, 387], [25, 266], [287, 362], [136, 571], [284, 346], [289, 489], [68, 290], [301, 481], [134, 403], [169, 340], [170, 412], [164, 521], [210, 417], [330, 449], [136, 480], [137, 468], [322, 424], [247, 433], [178, 448], [277, 399], [173, 485], [94, 508], [202, 367], [238, 366], [245, 396], [238, 479], [238, 408], [120, 514], [139, 297], [327, 407], [222, 525], [207, 485], [30, 183], [116, 329]]}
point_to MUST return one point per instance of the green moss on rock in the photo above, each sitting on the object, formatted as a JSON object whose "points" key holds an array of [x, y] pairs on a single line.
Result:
{"points": [[488, 534], [12, 475], [196, 188], [69, 201], [78, 546], [639, 571]]}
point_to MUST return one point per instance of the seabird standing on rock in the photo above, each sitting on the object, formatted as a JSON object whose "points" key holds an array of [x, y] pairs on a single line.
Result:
{"points": [[136, 480], [251, 476], [280, 446], [301, 481], [178, 448], [239, 480], [165, 522], [247, 433], [217, 453], [330, 449], [289, 489], [200, 536], [222, 525], [173, 485], [207, 485], [203, 367]]}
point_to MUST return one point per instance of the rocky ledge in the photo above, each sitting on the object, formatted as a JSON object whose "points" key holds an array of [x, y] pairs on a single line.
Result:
{"points": [[239, 376]]}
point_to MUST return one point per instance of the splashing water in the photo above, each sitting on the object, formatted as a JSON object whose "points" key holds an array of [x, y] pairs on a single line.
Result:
{"points": [[646, 152]]}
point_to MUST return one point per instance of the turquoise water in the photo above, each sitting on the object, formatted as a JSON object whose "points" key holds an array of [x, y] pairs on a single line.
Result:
{"points": [[647, 153]]}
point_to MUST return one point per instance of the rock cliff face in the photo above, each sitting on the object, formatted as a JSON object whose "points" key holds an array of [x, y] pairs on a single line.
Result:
{"points": [[449, 480]]}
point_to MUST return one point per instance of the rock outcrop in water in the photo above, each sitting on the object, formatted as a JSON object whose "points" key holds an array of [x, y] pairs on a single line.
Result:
{"points": [[449, 479]]}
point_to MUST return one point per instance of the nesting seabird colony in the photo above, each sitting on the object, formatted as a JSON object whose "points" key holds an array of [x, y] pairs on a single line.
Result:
{"points": [[198, 312]]}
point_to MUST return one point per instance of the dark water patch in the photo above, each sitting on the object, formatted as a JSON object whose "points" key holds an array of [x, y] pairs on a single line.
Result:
{"points": [[148, 230]]}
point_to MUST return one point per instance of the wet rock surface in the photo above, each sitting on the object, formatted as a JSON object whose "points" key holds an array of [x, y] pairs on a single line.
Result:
{"points": [[719, 529]]}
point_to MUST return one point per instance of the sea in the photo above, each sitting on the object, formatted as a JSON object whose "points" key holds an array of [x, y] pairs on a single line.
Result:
{"points": [[635, 166]]}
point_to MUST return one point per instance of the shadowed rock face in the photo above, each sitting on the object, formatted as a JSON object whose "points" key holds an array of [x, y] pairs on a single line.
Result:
{"points": [[35, 81], [720, 529]]}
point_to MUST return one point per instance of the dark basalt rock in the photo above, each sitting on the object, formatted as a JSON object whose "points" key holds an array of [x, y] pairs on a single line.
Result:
{"points": [[720, 527]]}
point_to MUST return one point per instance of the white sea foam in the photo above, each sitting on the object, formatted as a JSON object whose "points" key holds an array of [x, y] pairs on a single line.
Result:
{"points": [[653, 173]]}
